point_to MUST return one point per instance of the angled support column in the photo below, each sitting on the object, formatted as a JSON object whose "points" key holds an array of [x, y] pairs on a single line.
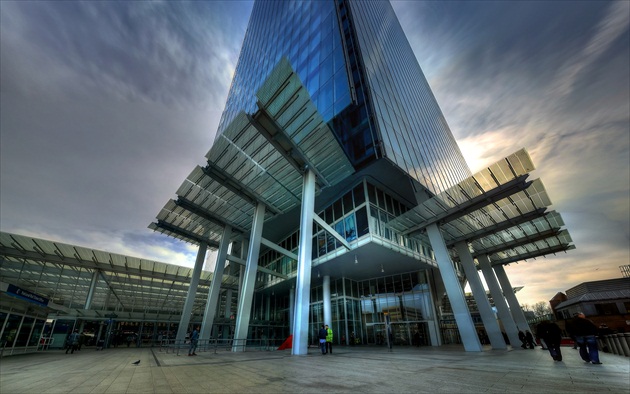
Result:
{"points": [[465, 324], [249, 280], [429, 309], [190, 297], [327, 306], [90, 295], [499, 301], [479, 293], [303, 279], [215, 285], [508, 292]]}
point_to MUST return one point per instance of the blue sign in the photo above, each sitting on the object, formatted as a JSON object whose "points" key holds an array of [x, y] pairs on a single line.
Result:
{"points": [[27, 295]]}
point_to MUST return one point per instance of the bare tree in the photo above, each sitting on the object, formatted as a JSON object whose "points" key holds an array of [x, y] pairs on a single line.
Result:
{"points": [[541, 309]]}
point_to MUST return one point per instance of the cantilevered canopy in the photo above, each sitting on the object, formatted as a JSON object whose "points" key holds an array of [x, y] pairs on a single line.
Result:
{"points": [[497, 210], [258, 159]]}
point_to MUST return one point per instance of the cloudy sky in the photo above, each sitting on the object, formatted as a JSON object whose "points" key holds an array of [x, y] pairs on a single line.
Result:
{"points": [[107, 106]]}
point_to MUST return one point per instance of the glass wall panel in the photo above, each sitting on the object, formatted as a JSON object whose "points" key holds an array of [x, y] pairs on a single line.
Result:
{"points": [[38, 328], [10, 334]]}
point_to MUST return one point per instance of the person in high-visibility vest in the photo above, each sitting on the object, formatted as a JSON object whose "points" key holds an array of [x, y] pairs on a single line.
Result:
{"points": [[329, 339]]}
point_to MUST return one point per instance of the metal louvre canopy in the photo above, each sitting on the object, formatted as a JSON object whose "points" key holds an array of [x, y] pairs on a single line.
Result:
{"points": [[497, 210], [258, 159], [284, 99], [501, 179], [130, 287], [543, 232], [509, 208]]}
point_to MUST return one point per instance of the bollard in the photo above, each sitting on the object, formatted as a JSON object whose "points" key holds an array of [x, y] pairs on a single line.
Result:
{"points": [[616, 344], [624, 344], [607, 341], [611, 344]]}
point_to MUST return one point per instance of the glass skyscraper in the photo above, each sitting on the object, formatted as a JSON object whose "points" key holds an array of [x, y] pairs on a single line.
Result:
{"points": [[362, 74]]}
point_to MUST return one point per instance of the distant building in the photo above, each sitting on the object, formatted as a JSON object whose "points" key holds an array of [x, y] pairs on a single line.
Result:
{"points": [[603, 302]]}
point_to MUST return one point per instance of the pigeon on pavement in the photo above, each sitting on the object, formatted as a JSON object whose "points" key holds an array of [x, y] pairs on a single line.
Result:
{"points": [[136, 362]]}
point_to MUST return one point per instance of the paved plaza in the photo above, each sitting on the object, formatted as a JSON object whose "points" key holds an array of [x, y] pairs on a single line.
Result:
{"points": [[349, 370]]}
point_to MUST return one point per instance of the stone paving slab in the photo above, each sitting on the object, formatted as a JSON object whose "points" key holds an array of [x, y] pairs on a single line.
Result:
{"points": [[447, 369]]}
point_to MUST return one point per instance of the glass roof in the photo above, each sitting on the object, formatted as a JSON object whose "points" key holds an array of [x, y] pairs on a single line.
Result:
{"points": [[127, 286]]}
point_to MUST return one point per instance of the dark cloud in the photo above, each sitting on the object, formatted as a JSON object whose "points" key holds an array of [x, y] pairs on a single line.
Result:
{"points": [[502, 54], [168, 52]]}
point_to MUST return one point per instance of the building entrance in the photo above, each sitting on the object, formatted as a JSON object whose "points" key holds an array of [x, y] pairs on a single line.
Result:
{"points": [[403, 333]]}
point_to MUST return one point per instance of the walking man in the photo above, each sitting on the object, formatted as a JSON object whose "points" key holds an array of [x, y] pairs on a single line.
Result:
{"points": [[322, 339], [549, 332], [585, 333], [194, 338], [73, 342]]}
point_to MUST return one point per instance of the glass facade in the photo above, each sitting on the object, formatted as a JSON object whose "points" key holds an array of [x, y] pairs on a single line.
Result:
{"points": [[20, 333], [414, 133], [307, 33], [359, 309], [363, 210]]}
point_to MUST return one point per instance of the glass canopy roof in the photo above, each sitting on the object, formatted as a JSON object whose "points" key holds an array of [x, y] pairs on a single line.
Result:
{"points": [[259, 158], [129, 287]]}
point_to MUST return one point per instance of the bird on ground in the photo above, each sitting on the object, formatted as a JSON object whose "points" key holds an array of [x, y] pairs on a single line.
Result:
{"points": [[136, 362]]}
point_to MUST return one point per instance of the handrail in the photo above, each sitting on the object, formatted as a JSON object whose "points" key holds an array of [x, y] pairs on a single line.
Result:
{"points": [[215, 345]]}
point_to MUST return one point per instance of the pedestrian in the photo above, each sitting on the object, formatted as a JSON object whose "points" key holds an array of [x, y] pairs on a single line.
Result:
{"points": [[549, 332], [585, 333], [529, 339], [194, 338], [73, 342], [82, 338], [521, 336], [416, 339], [329, 339], [322, 339]]}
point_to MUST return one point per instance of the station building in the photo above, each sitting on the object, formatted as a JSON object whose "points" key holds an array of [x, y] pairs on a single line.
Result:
{"points": [[334, 193]]}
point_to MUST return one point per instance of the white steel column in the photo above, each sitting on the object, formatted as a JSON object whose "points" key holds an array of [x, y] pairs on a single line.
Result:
{"points": [[303, 287], [249, 281], [327, 306], [465, 324], [485, 310], [215, 285], [499, 301], [508, 292], [192, 291]]}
